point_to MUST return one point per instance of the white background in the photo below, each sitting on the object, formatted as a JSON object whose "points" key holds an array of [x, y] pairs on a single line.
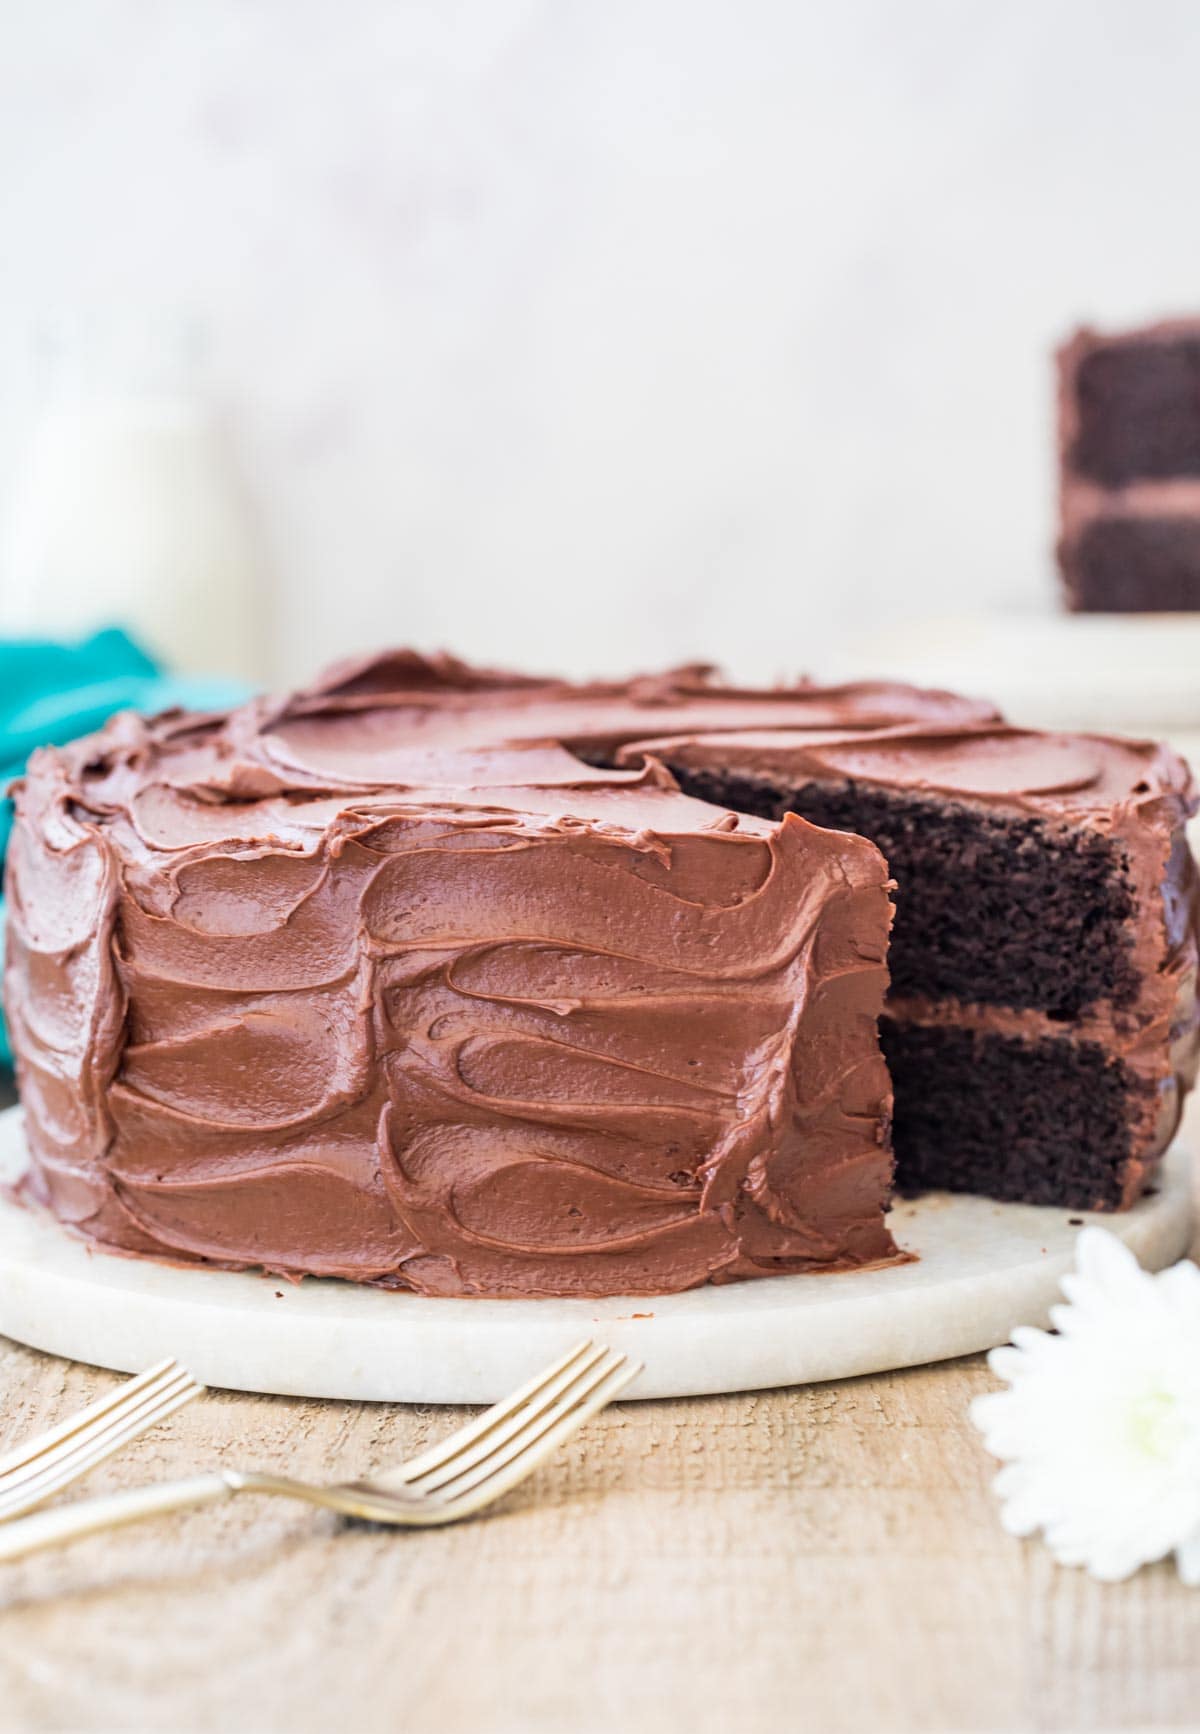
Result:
{"points": [[611, 332]]}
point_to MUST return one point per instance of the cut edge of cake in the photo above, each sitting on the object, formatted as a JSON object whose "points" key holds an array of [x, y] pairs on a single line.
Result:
{"points": [[1091, 983]]}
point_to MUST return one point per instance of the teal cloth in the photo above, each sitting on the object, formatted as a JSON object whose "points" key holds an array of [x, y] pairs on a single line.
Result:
{"points": [[53, 693]]}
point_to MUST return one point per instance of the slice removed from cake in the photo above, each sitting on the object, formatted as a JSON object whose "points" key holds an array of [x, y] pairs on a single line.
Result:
{"points": [[1041, 1026], [1129, 468]]}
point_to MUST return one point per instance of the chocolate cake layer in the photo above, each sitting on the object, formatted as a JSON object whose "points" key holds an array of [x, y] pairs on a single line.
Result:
{"points": [[330, 987], [1132, 563], [1129, 452], [1133, 404], [1046, 922], [1046, 902], [1033, 1121]]}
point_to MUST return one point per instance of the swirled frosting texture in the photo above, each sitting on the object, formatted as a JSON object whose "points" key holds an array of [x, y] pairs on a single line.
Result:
{"points": [[383, 983]]}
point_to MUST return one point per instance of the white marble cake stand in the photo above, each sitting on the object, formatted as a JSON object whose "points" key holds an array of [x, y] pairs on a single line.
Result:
{"points": [[983, 1269]]}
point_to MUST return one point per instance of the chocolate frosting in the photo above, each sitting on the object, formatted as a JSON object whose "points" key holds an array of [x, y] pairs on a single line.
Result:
{"points": [[384, 982], [1052, 776]]}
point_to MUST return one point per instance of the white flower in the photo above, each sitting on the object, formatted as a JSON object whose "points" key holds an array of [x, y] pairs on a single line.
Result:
{"points": [[1100, 1428]]}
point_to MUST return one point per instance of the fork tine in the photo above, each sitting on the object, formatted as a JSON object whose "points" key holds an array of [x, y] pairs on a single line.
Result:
{"points": [[135, 1406], [561, 1391], [83, 1419], [455, 1442], [452, 1483], [486, 1483], [494, 1480], [60, 1473], [65, 1465]]}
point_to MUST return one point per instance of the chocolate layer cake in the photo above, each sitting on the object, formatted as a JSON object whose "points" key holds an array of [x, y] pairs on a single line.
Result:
{"points": [[432, 977], [1041, 1027], [1129, 432], [331, 988]]}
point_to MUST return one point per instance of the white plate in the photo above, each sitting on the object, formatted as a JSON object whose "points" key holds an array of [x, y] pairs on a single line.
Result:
{"points": [[983, 1268]]}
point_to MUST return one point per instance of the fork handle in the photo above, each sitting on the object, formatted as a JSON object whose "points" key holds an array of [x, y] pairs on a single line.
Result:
{"points": [[111, 1511]]}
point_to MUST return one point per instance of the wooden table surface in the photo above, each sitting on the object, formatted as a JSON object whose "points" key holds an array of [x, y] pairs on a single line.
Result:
{"points": [[823, 1559]]}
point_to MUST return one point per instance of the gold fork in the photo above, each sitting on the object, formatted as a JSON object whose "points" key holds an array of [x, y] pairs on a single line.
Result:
{"points": [[42, 1467], [456, 1478]]}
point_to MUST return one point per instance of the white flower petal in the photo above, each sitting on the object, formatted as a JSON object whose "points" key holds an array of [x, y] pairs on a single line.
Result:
{"points": [[1187, 1558], [1180, 1288], [1099, 1428], [1108, 1564], [1016, 1520], [989, 1410], [1007, 1363], [1103, 1259]]}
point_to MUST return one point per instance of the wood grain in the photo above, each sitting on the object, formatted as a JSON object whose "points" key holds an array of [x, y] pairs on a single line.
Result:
{"points": [[826, 1558]]}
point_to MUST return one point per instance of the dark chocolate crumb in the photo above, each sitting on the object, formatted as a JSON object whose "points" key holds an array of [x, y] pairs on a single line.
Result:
{"points": [[1041, 1122], [989, 909]]}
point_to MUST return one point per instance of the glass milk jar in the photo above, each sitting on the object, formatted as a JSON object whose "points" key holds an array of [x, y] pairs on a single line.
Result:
{"points": [[126, 509]]}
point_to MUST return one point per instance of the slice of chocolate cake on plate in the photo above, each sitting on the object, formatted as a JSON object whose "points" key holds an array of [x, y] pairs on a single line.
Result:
{"points": [[1129, 437]]}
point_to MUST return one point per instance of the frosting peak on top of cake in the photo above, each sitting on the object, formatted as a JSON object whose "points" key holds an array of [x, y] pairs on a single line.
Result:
{"points": [[400, 676], [182, 787], [404, 726], [438, 701]]}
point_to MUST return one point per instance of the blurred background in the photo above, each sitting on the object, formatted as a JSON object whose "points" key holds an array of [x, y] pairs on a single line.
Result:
{"points": [[575, 336]]}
